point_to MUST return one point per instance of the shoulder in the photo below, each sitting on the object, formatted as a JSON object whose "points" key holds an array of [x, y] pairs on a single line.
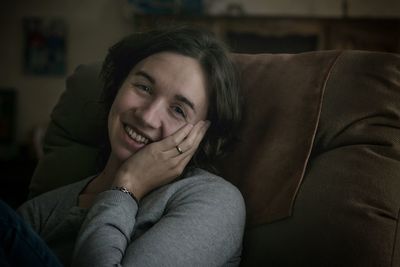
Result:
{"points": [[38, 210], [211, 185], [212, 211], [210, 194], [65, 194], [199, 190]]}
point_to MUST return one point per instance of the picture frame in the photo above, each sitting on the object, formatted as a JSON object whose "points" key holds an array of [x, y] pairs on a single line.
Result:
{"points": [[45, 46]]}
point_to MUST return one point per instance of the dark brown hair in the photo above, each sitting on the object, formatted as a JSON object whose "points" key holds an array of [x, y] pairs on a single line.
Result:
{"points": [[222, 85]]}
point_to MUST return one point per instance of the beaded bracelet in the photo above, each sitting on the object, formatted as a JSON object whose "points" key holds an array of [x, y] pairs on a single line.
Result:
{"points": [[126, 191]]}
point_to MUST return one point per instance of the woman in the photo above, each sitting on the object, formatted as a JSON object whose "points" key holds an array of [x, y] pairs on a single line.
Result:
{"points": [[174, 107]]}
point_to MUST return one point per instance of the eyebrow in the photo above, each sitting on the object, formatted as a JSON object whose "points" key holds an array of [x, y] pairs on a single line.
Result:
{"points": [[146, 75], [178, 97]]}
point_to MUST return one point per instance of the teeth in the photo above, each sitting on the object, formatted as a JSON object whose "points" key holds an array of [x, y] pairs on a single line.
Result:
{"points": [[135, 136]]}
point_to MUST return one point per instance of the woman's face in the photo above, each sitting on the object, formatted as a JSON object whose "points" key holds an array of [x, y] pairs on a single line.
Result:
{"points": [[162, 93]]}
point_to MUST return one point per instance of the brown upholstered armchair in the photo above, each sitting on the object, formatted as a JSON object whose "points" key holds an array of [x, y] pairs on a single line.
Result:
{"points": [[318, 161]]}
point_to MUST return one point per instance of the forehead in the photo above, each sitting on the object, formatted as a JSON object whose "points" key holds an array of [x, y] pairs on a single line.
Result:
{"points": [[169, 63]]}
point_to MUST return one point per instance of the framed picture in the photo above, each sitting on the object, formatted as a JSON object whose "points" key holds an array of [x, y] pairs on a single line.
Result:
{"points": [[8, 103], [45, 46]]}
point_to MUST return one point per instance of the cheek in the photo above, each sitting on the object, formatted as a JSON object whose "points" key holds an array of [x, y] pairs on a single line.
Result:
{"points": [[171, 126], [122, 105], [116, 111]]}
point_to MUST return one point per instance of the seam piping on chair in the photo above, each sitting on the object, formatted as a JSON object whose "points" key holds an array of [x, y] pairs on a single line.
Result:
{"points": [[318, 115], [396, 232]]}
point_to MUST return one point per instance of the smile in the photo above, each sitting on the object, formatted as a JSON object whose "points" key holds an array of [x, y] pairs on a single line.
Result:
{"points": [[135, 136]]}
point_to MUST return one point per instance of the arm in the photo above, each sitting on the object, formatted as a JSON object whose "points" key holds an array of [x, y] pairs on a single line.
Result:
{"points": [[29, 213], [202, 225], [106, 230]]}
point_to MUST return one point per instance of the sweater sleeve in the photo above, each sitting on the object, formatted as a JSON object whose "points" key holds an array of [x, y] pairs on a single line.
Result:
{"points": [[202, 225], [46, 211], [106, 231]]}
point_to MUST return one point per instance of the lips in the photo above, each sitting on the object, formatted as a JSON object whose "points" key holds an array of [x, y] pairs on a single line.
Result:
{"points": [[137, 137]]}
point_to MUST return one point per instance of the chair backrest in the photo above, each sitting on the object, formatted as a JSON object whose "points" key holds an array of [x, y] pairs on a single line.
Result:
{"points": [[346, 210]]}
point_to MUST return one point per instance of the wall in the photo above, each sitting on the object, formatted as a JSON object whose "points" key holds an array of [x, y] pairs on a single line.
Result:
{"points": [[96, 24], [93, 26], [374, 8], [281, 7], [306, 8]]}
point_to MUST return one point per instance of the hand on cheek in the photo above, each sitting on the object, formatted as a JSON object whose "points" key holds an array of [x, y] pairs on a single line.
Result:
{"points": [[160, 162]]}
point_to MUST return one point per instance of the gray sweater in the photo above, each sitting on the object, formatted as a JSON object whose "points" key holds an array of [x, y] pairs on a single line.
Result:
{"points": [[195, 221]]}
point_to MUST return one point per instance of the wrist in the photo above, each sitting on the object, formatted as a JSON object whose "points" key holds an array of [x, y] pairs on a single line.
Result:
{"points": [[128, 182], [126, 191]]}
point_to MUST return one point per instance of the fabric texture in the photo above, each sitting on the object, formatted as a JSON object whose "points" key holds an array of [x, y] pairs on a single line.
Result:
{"points": [[346, 212], [196, 221], [283, 96], [19, 243]]}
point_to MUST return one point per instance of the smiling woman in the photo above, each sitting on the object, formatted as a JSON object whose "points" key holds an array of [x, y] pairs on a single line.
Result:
{"points": [[173, 102], [161, 94]]}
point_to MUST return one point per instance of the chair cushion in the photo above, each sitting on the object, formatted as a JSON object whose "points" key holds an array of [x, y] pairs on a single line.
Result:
{"points": [[71, 143], [346, 212]]}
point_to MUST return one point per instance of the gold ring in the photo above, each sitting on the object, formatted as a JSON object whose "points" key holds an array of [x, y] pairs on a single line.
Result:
{"points": [[179, 150]]}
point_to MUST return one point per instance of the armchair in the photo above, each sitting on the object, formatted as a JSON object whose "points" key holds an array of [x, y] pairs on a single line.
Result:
{"points": [[318, 160]]}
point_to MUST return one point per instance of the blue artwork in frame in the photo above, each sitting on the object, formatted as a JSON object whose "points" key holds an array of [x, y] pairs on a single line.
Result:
{"points": [[45, 46]]}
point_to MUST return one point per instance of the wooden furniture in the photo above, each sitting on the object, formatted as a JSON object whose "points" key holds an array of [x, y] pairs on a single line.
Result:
{"points": [[255, 34]]}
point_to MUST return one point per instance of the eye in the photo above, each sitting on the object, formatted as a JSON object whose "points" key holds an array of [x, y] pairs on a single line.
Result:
{"points": [[179, 111], [143, 88]]}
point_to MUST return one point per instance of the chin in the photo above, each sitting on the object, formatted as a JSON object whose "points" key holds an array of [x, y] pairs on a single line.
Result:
{"points": [[122, 154]]}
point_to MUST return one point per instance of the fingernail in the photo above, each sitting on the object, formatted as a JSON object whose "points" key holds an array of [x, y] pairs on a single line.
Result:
{"points": [[208, 123]]}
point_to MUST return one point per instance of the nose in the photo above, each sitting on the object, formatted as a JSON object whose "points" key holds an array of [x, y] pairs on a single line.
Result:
{"points": [[151, 114]]}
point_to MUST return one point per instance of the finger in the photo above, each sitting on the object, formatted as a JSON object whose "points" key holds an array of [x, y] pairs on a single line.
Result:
{"points": [[192, 142], [176, 138], [186, 159], [182, 159], [175, 150], [187, 156]]}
